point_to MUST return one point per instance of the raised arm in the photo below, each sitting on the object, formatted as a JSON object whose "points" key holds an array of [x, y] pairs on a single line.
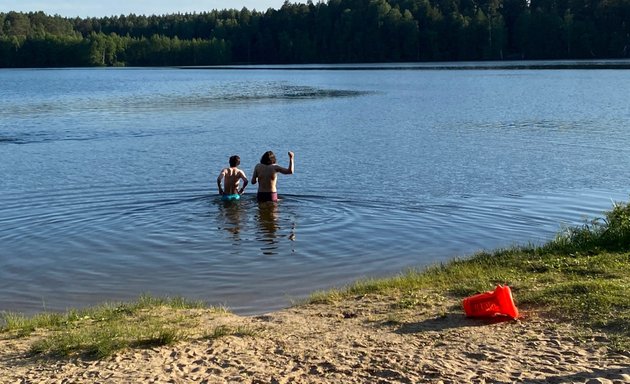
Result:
{"points": [[287, 171]]}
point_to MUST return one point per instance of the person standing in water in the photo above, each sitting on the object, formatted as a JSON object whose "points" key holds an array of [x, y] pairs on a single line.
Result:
{"points": [[231, 178], [265, 174]]}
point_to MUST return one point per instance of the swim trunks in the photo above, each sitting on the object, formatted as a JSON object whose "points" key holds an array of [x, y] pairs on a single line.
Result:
{"points": [[232, 197], [266, 196]]}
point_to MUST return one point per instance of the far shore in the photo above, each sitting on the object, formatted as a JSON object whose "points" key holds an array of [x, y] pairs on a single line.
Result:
{"points": [[434, 66]]}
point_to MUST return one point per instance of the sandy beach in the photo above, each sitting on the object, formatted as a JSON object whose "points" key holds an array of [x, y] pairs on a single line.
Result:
{"points": [[365, 339]]}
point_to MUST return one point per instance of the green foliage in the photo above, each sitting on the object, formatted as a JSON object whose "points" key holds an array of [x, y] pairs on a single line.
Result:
{"points": [[336, 31], [611, 233], [601, 303], [104, 339], [102, 330], [24, 326], [226, 330], [177, 302]]}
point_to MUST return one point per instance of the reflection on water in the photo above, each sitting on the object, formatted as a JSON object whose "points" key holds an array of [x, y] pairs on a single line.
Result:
{"points": [[267, 219], [273, 226], [231, 216]]}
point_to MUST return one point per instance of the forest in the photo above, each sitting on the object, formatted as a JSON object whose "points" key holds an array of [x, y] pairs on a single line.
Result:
{"points": [[333, 31]]}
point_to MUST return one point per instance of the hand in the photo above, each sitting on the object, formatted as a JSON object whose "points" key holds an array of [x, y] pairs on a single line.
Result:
{"points": [[291, 155]]}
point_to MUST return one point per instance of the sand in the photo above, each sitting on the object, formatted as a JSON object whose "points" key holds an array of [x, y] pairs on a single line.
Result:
{"points": [[360, 340]]}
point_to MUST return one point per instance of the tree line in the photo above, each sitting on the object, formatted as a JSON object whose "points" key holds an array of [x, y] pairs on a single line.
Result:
{"points": [[335, 31]]}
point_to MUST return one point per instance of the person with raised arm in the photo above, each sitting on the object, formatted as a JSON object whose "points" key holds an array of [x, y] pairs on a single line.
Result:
{"points": [[265, 174]]}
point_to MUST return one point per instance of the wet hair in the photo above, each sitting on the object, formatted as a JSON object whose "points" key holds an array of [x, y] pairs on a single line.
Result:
{"points": [[235, 161], [268, 158]]}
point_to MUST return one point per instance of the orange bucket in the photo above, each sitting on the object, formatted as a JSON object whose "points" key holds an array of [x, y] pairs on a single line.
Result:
{"points": [[492, 303]]}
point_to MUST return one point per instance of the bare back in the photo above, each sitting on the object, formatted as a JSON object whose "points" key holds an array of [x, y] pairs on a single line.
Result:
{"points": [[266, 176], [231, 179]]}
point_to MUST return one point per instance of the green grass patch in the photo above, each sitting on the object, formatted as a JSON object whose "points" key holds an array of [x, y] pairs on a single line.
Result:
{"points": [[582, 276], [103, 340], [100, 331], [226, 330]]}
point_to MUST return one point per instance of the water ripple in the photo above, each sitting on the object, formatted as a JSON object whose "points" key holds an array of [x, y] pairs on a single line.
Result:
{"points": [[126, 241]]}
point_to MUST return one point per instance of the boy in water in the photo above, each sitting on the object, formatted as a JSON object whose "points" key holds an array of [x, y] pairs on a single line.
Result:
{"points": [[265, 173], [231, 178]]}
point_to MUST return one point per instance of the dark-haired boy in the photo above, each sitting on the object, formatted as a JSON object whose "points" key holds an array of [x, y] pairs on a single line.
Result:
{"points": [[231, 179]]}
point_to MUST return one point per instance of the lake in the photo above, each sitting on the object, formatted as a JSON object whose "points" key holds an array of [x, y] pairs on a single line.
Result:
{"points": [[108, 176]]}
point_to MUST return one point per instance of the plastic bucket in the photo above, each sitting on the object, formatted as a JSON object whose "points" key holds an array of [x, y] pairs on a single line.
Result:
{"points": [[492, 303]]}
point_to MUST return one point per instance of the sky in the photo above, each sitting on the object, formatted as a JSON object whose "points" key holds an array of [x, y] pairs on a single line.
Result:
{"points": [[100, 8]]}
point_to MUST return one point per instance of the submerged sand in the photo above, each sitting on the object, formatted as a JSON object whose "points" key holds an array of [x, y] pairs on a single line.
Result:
{"points": [[367, 339]]}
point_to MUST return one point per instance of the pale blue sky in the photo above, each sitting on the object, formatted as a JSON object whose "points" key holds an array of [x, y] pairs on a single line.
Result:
{"points": [[99, 8]]}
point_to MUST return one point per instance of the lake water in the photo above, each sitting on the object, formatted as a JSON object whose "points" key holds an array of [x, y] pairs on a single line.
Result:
{"points": [[108, 176]]}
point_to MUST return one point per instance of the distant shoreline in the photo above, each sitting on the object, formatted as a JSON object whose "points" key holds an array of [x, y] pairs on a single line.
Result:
{"points": [[403, 66], [468, 65]]}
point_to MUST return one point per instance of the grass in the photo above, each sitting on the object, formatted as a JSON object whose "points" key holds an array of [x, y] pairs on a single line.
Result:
{"points": [[582, 276], [226, 330], [102, 330]]}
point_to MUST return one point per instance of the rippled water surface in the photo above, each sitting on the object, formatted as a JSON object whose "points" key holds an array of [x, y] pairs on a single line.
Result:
{"points": [[108, 175]]}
